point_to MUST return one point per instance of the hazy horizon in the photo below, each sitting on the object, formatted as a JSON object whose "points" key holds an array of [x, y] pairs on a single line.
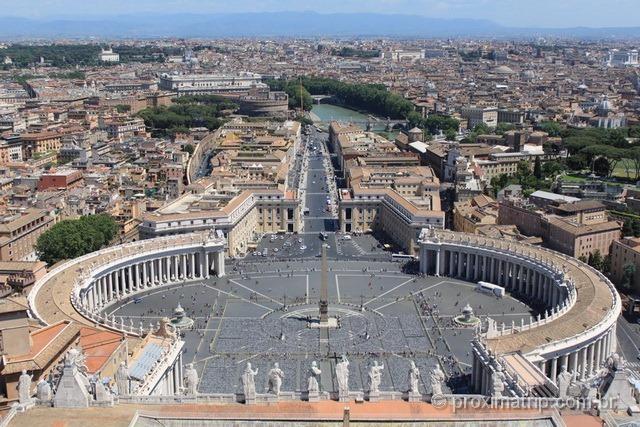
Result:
{"points": [[511, 13]]}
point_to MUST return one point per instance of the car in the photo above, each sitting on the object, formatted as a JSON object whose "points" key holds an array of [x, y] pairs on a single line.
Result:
{"points": [[303, 247], [299, 240], [346, 237], [275, 249]]}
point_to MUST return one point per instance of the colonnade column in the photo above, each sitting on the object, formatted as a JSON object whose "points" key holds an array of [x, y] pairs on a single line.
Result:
{"points": [[220, 266]]}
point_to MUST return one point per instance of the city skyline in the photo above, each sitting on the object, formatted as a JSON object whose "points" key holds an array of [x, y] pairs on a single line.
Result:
{"points": [[512, 13]]}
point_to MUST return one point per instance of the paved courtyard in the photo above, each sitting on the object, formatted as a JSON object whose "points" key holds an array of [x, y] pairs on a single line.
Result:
{"points": [[260, 312]]}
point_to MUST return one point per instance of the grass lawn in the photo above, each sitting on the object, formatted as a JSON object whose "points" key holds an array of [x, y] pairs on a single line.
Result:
{"points": [[574, 178], [620, 171]]}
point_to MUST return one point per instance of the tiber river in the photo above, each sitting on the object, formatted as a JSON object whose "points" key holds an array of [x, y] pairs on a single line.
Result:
{"points": [[327, 112]]}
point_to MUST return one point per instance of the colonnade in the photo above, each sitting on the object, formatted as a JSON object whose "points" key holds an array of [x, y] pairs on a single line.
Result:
{"points": [[532, 280], [135, 275], [535, 274], [585, 360]]}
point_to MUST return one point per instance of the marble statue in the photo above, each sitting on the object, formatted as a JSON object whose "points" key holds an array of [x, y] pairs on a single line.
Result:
{"points": [[497, 382], [342, 376], [563, 381], [24, 388], [248, 382], [191, 380], [414, 377], [102, 394], [436, 378], [74, 389], [76, 358], [375, 377], [43, 391], [122, 379], [275, 379], [314, 375]]}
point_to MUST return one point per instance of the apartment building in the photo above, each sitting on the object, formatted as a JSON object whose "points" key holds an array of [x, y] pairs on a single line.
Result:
{"points": [[626, 252], [19, 232], [474, 213], [577, 229], [242, 216]]}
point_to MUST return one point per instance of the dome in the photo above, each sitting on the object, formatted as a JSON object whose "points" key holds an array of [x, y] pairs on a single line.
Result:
{"points": [[528, 75], [503, 69], [604, 106]]}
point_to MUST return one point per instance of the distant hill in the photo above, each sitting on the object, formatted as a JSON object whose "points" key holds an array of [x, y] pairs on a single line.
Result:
{"points": [[281, 24]]}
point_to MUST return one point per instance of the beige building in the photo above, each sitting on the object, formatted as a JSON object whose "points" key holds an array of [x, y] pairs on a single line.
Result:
{"points": [[242, 216], [626, 252], [19, 232], [577, 229], [474, 213], [397, 201]]}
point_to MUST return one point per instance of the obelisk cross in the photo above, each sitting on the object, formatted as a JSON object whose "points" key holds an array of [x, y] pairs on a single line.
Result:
{"points": [[324, 289]]}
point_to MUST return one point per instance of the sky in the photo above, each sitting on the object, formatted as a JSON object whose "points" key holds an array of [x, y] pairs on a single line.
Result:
{"points": [[513, 13]]}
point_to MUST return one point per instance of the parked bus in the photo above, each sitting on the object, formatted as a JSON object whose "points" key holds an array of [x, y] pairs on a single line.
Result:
{"points": [[487, 287], [403, 256]]}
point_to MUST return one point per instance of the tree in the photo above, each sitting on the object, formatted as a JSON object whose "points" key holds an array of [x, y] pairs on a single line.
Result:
{"points": [[601, 166], [551, 169], [537, 168], [123, 108], [188, 148], [504, 127], [627, 229], [635, 225], [552, 128], [73, 238], [595, 260], [628, 273], [450, 134]]}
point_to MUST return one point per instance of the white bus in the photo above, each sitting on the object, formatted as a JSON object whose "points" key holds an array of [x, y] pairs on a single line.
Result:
{"points": [[403, 256], [487, 287]]}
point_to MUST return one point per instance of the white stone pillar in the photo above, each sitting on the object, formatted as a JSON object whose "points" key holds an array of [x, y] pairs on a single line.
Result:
{"points": [[137, 273], [192, 257], [574, 362], [152, 271], [590, 352], [484, 269], [598, 348], [554, 369], [184, 266], [145, 268], [110, 285], [451, 263], [207, 265], [438, 261]]}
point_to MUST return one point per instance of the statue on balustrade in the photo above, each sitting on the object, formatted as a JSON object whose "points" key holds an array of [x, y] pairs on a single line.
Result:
{"points": [[436, 379], [313, 385], [248, 382], [414, 378], [191, 380], [24, 388], [275, 379]]}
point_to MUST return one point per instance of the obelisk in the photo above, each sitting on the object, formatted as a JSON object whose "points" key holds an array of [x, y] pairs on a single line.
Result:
{"points": [[324, 290]]}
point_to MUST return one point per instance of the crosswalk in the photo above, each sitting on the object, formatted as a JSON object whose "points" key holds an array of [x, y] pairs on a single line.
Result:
{"points": [[358, 248]]}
